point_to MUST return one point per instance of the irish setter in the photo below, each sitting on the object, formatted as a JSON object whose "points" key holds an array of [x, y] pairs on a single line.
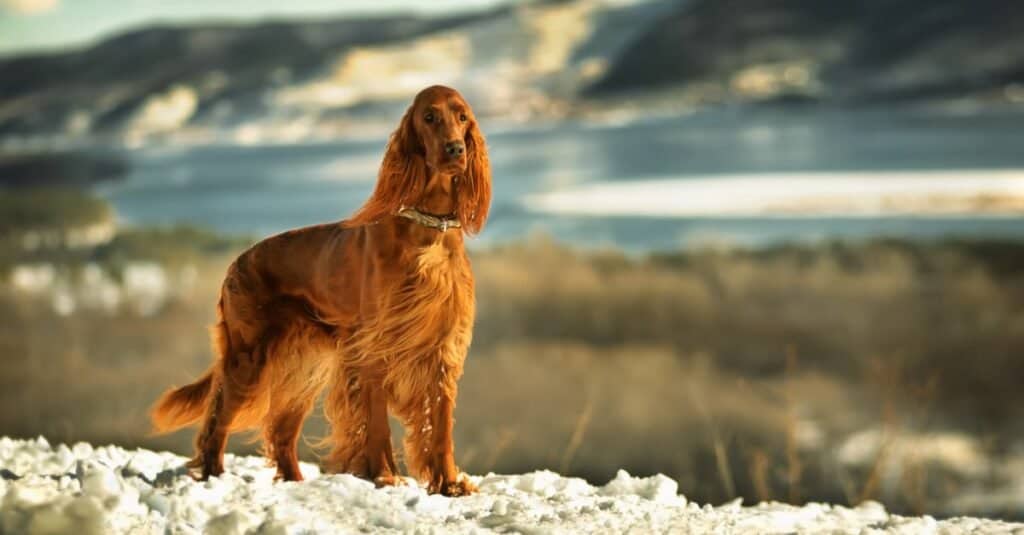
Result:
{"points": [[378, 308]]}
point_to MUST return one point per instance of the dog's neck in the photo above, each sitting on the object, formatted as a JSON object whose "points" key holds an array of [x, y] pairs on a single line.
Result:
{"points": [[436, 207], [439, 195]]}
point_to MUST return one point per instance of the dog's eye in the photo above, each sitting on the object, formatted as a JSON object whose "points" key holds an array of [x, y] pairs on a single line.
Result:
{"points": [[429, 117], [462, 117]]}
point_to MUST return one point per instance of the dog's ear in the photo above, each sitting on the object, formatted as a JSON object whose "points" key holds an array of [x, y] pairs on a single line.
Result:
{"points": [[402, 175], [404, 140], [475, 194]]}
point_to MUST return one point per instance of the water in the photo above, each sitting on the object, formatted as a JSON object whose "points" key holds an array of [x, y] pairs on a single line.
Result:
{"points": [[263, 190]]}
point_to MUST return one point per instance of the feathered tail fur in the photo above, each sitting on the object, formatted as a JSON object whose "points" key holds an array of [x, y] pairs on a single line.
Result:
{"points": [[186, 405], [180, 407]]}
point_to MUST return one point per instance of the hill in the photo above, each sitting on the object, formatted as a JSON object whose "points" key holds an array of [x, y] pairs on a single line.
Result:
{"points": [[838, 52], [529, 62]]}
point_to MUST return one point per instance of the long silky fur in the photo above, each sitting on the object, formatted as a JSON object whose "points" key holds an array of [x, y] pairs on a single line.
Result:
{"points": [[276, 351]]}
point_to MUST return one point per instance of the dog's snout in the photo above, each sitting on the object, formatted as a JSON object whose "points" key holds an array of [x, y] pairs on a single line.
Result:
{"points": [[454, 149]]}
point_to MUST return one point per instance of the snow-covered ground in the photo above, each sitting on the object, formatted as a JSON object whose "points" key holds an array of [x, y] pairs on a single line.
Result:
{"points": [[85, 489]]}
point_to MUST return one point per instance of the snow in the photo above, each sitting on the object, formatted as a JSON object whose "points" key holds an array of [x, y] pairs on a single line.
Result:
{"points": [[958, 193], [166, 111], [48, 489]]}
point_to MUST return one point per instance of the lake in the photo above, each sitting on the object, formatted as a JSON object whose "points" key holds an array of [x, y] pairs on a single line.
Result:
{"points": [[742, 177]]}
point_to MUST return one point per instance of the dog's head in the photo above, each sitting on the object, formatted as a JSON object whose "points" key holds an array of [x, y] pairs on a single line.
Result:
{"points": [[438, 134]]}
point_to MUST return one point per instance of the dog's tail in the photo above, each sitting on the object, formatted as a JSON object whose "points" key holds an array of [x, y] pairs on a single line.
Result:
{"points": [[186, 405], [180, 407]]}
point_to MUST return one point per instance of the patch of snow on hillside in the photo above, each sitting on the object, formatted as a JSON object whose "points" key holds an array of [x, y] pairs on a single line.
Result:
{"points": [[947, 193], [166, 111], [84, 489]]}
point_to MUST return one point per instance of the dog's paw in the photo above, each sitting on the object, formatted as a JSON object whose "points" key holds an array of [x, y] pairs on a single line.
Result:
{"points": [[202, 467], [288, 475], [391, 481], [460, 487]]}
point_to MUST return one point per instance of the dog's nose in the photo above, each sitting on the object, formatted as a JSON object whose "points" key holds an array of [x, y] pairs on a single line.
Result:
{"points": [[454, 149]]}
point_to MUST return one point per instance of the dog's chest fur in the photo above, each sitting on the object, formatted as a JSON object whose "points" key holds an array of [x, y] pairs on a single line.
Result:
{"points": [[430, 312]]}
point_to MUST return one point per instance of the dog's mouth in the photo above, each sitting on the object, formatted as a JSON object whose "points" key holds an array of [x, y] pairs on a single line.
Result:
{"points": [[458, 164], [451, 165]]}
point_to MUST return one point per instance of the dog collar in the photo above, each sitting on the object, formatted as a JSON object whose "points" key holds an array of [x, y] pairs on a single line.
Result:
{"points": [[442, 223]]}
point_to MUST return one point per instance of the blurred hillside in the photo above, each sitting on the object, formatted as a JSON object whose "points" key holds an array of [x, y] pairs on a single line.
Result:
{"points": [[288, 81], [868, 51]]}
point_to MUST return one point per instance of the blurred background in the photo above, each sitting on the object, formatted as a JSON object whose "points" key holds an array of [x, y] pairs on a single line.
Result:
{"points": [[773, 249]]}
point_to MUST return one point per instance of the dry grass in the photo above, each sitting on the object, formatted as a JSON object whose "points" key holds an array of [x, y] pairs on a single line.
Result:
{"points": [[936, 309]]}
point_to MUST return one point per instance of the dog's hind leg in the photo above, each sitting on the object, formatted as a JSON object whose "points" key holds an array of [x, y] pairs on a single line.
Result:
{"points": [[234, 390], [281, 437], [299, 361]]}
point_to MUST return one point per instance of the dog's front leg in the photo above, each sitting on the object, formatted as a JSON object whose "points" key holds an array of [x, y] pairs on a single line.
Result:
{"points": [[444, 476], [357, 411], [429, 445], [379, 456]]}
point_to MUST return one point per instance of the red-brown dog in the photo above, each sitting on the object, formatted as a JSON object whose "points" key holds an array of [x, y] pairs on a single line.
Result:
{"points": [[378, 307]]}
